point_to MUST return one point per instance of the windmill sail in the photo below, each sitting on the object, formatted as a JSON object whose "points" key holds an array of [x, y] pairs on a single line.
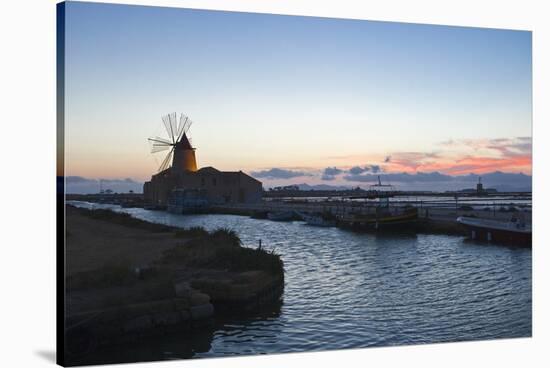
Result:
{"points": [[175, 128]]}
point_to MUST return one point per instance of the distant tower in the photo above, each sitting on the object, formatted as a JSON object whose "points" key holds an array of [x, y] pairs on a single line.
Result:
{"points": [[479, 187], [184, 156], [180, 152]]}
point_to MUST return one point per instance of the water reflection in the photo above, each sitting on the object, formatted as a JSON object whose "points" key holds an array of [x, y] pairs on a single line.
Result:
{"points": [[346, 289]]}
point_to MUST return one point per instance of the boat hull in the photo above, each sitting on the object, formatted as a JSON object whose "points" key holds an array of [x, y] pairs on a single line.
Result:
{"points": [[280, 216], [399, 222], [481, 233], [312, 221]]}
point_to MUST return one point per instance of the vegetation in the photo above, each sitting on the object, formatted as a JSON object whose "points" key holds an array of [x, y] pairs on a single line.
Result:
{"points": [[246, 259], [124, 219], [221, 249], [225, 236]]}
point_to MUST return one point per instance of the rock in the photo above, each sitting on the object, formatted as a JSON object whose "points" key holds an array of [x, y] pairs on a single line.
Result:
{"points": [[167, 318], [202, 311], [182, 303], [138, 324], [198, 298], [185, 315], [182, 289]]}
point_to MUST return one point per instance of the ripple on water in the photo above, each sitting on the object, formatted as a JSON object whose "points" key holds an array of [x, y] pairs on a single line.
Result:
{"points": [[345, 290]]}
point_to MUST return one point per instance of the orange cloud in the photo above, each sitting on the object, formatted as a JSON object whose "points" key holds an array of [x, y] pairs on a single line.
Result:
{"points": [[468, 156]]}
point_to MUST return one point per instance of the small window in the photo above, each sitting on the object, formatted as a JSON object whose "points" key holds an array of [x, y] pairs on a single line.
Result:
{"points": [[202, 182], [214, 181]]}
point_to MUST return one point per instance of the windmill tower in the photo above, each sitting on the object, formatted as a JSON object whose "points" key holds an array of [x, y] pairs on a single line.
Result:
{"points": [[181, 155]]}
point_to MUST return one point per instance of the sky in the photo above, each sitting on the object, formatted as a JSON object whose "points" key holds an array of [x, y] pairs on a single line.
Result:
{"points": [[293, 99]]}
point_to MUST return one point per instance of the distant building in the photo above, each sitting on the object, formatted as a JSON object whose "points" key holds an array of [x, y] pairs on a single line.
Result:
{"points": [[479, 190], [286, 187], [217, 187], [479, 187]]}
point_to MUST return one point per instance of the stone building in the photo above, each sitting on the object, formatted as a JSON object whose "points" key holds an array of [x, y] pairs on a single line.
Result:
{"points": [[218, 186]]}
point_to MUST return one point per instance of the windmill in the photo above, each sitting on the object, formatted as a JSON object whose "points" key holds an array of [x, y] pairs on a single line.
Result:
{"points": [[177, 144]]}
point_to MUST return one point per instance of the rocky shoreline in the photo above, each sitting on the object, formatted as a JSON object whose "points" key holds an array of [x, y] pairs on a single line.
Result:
{"points": [[129, 279]]}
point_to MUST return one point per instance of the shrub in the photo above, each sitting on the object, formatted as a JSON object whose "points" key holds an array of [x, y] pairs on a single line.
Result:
{"points": [[221, 249], [225, 236], [246, 259]]}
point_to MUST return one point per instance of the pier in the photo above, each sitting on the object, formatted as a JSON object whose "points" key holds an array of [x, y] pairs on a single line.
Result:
{"points": [[437, 212]]}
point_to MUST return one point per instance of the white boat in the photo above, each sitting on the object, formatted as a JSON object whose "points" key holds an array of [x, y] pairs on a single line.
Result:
{"points": [[515, 231], [323, 220]]}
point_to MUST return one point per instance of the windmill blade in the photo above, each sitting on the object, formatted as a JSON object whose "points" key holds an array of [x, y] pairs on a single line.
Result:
{"points": [[185, 127], [159, 148], [180, 126], [166, 121], [167, 160], [174, 126], [158, 140], [188, 123], [159, 144]]}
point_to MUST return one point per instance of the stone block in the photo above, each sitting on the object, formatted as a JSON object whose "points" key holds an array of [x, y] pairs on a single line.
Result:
{"points": [[202, 311]]}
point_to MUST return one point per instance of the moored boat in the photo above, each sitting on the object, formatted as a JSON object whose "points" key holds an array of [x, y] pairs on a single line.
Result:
{"points": [[385, 217], [319, 219], [515, 231], [281, 216], [381, 220]]}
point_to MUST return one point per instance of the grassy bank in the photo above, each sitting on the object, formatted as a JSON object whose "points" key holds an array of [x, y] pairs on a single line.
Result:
{"points": [[123, 219], [128, 278]]}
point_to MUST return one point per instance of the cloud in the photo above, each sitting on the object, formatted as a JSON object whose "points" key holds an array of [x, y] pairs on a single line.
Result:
{"points": [[356, 170], [429, 179], [410, 161], [464, 156], [81, 185], [503, 146], [80, 179], [519, 146], [277, 173], [77, 179], [404, 177], [330, 173], [375, 169]]}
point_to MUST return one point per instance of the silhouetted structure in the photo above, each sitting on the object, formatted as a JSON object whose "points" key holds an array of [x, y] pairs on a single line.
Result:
{"points": [[215, 186]]}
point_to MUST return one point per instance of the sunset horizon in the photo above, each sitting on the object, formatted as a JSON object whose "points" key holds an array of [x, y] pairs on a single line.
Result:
{"points": [[303, 100]]}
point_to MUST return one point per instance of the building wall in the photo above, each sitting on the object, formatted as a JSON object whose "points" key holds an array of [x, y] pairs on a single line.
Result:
{"points": [[221, 187], [159, 188]]}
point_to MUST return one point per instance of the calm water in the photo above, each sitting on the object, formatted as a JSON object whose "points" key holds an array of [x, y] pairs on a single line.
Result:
{"points": [[348, 290]]}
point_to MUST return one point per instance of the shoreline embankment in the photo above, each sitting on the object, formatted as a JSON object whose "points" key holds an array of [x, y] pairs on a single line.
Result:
{"points": [[128, 279]]}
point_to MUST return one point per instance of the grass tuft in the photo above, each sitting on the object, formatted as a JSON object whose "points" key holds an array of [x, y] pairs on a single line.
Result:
{"points": [[222, 249], [124, 219]]}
